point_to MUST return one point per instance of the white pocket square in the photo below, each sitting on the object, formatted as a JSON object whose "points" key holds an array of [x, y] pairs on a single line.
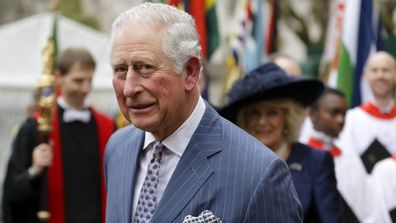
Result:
{"points": [[205, 217]]}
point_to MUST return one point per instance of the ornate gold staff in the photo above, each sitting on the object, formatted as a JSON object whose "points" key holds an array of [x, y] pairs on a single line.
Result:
{"points": [[46, 88]]}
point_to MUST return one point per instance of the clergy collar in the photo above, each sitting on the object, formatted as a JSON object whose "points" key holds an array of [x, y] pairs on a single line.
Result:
{"points": [[383, 109], [177, 142], [375, 111], [71, 114], [327, 140]]}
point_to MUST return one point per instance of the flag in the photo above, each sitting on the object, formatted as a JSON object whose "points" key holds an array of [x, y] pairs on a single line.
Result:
{"points": [[258, 30], [212, 30], [178, 3], [241, 40], [329, 60], [271, 30], [359, 39], [197, 10], [204, 13]]}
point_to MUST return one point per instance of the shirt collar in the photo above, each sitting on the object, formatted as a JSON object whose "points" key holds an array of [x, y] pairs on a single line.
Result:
{"points": [[327, 140], [177, 142]]}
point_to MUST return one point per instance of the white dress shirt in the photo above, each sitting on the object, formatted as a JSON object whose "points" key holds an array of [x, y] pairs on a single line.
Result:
{"points": [[175, 145]]}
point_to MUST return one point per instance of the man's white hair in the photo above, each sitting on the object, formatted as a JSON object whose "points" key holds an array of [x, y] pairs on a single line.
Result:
{"points": [[180, 38]]}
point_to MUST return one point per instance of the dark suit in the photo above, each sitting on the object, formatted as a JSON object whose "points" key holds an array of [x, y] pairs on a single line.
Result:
{"points": [[223, 169], [313, 176]]}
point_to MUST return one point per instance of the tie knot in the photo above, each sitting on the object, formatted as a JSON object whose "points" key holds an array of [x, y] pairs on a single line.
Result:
{"points": [[158, 148]]}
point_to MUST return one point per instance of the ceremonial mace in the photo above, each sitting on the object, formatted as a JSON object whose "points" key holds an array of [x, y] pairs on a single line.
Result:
{"points": [[46, 102]]}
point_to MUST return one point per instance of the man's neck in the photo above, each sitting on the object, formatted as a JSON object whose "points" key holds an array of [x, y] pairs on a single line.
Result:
{"points": [[383, 101], [72, 105]]}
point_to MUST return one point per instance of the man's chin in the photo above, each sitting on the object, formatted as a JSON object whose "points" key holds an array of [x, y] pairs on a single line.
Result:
{"points": [[143, 125]]}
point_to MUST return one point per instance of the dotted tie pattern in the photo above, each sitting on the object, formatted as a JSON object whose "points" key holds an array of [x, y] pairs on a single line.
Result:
{"points": [[148, 194]]}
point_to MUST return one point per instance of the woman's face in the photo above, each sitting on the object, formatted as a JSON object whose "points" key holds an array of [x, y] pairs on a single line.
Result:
{"points": [[266, 122]]}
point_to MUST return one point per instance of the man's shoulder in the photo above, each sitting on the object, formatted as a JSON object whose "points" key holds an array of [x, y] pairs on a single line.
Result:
{"points": [[242, 144]]}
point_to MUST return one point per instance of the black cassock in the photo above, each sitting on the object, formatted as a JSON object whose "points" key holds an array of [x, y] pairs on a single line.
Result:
{"points": [[81, 174]]}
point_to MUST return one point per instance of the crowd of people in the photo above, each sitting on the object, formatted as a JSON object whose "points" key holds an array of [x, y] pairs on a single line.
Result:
{"points": [[175, 158]]}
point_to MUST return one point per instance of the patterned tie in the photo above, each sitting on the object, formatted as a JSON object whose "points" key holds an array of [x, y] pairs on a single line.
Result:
{"points": [[148, 194]]}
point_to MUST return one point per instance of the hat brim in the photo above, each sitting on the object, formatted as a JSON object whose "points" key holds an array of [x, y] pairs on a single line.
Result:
{"points": [[304, 92]]}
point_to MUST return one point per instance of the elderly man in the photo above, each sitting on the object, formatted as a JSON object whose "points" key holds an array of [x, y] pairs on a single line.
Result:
{"points": [[180, 161], [370, 132]]}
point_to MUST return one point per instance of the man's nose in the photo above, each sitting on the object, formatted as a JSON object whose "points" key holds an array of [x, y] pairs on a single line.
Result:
{"points": [[132, 83], [86, 87]]}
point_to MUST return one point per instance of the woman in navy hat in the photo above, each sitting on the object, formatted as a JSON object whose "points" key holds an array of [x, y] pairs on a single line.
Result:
{"points": [[270, 105]]}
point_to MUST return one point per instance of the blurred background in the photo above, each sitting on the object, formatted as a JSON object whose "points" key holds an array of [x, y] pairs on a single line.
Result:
{"points": [[236, 36]]}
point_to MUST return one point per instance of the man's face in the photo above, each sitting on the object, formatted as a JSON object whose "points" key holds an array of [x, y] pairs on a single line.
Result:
{"points": [[329, 117], [381, 75], [76, 85], [150, 93]]}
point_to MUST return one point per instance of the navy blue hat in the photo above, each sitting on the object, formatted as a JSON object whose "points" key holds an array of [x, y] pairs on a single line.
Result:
{"points": [[269, 81]]}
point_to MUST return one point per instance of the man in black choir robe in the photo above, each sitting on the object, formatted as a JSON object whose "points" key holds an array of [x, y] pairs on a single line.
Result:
{"points": [[73, 157]]}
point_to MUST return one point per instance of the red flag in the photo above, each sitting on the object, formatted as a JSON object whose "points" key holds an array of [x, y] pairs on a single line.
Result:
{"points": [[197, 10]]}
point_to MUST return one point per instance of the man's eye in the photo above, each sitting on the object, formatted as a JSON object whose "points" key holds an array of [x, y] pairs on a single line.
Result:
{"points": [[144, 69], [120, 72]]}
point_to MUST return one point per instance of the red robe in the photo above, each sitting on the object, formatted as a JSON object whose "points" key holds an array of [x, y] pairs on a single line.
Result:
{"points": [[105, 128]]}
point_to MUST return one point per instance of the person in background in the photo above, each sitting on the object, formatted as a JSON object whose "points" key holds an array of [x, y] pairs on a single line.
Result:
{"points": [[293, 68], [370, 128], [180, 161], [385, 178], [73, 156], [289, 65], [328, 117], [5, 153], [270, 105]]}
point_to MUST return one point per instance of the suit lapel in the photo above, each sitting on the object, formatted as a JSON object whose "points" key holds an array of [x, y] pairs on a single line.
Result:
{"points": [[132, 155], [193, 169]]}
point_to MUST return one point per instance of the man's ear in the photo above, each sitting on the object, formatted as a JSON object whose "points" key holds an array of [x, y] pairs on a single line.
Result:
{"points": [[192, 70], [58, 77]]}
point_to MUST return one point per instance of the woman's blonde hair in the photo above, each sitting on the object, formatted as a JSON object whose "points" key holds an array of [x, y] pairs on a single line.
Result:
{"points": [[295, 115]]}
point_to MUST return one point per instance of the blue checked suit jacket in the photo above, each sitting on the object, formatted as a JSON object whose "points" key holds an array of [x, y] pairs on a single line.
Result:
{"points": [[223, 169]]}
